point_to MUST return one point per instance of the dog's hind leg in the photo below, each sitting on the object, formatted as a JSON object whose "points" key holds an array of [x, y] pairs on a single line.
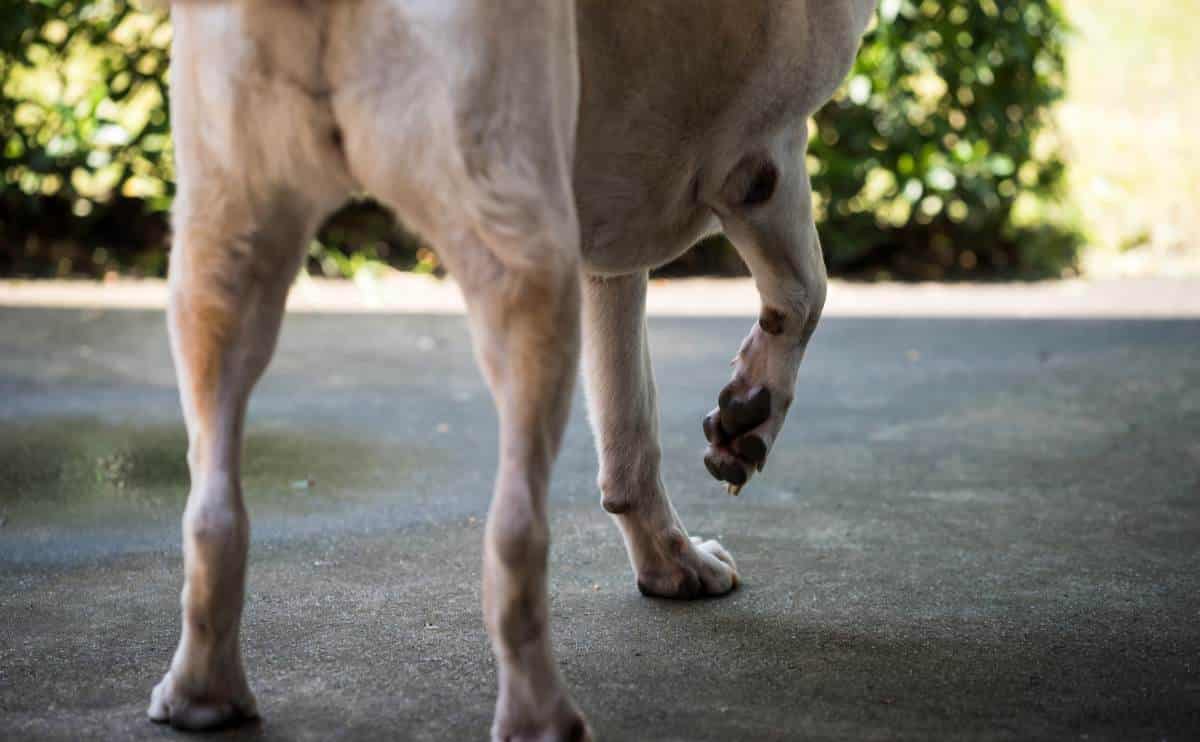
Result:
{"points": [[229, 276], [256, 173], [526, 330], [624, 414], [525, 324], [469, 135]]}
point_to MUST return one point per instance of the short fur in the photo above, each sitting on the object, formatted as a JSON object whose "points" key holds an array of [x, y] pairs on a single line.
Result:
{"points": [[553, 153]]}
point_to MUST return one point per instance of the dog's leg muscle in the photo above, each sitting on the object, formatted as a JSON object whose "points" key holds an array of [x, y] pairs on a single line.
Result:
{"points": [[624, 415], [480, 164], [526, 333], [228, 282], [248, 200]]}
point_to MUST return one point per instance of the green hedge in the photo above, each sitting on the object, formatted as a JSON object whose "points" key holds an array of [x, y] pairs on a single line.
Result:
{"points": [[83, 126], [934, 160]]}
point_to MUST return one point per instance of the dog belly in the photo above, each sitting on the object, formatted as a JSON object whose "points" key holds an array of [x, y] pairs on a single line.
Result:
{"points": [[620, 243]]}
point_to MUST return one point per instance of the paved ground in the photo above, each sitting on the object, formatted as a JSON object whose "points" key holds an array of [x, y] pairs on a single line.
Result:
{"points": [[972, 529], [393, 291]]}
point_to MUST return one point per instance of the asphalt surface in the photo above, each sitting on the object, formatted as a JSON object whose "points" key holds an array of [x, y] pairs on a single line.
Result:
{"points": [[970, 529]]}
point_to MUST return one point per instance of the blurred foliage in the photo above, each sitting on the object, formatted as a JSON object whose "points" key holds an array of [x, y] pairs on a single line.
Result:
{"points": [[84, 131], [934, 160]]}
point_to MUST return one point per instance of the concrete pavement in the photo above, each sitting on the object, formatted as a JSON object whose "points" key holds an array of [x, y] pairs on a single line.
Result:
{"points": [[972, 528]]}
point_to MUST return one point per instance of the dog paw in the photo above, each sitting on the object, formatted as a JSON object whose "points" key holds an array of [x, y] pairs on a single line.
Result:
{"points": [[694, 569], [751, 408], [567, 725], [169, 705], [740, 432]]}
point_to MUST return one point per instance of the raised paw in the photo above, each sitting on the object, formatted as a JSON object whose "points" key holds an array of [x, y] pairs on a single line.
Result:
{"points": [[169, 705], [692, 568], [739, 432]]}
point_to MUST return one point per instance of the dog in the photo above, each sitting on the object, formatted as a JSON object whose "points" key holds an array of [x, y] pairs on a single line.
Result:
{"points": [[553, 152]]}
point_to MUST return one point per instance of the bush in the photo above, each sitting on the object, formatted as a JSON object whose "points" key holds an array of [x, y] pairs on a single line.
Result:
{"points": [[86, 165], [934, 160]]}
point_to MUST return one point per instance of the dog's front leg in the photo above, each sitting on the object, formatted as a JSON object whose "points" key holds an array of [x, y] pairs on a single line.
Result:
{"points": [[624, 415], [765, 205]]}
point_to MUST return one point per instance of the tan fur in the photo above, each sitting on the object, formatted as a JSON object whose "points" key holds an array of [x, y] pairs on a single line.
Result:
{"points": [[552, 159]]}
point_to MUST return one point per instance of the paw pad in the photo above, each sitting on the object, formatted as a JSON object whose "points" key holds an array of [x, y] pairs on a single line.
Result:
{"points": [[736, 445]]}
